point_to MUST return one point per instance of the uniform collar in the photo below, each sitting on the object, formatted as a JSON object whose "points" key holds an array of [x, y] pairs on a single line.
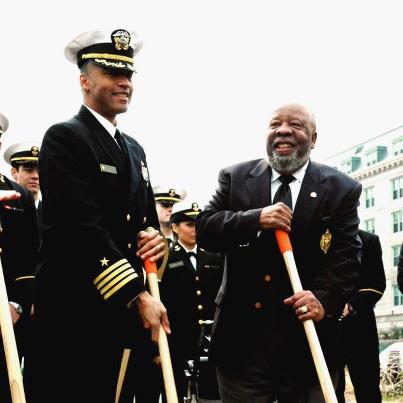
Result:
{"points": [[108, 126]]}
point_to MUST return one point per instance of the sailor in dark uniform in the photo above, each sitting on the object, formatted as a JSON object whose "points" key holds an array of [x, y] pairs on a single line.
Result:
{"points": [[358, 326], [99, 225], [23, 158], [165, 198], [19, 243], [189, 287]]}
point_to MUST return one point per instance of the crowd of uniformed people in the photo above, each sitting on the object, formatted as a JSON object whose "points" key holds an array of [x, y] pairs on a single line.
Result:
{"points": [[86, 217]]}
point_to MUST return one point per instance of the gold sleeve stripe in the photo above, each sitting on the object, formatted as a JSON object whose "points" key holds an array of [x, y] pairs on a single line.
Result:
{"points": [[109, 269], [370, 289], [116, 280], [113, 274], [120, 285], [24, 278]]}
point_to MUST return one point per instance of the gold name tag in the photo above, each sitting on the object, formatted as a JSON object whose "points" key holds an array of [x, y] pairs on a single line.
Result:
{"points": [[108, 168]]}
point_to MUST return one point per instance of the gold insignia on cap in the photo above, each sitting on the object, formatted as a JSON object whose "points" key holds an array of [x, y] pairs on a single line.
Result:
{"points": [[171, 192], [313, 194], [2, 178], [35, 151], [104, 261], [177, 247], [195, 207], [325, 241], [121, 39]]}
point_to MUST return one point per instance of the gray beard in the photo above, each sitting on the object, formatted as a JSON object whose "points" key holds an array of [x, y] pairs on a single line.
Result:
{"points": [[287, 165]]}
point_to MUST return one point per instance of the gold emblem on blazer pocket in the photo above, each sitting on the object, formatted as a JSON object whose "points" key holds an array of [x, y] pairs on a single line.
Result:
{"points": [[325, 241]]}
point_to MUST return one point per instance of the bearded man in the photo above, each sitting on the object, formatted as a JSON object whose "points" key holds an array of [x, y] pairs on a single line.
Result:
{"points": [[258, 343]]}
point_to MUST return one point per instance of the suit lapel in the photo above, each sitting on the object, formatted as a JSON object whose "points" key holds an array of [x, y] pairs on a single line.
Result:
{"points": [[136, 168], [310, 195], [103, 138], [259, 178]]}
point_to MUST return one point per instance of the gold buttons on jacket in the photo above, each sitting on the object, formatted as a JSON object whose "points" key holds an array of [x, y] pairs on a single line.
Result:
{"points": [[267, 278], [129, 245], [128, 217], [197, 278], [200, 322], [198, 292], [199, 307], [258, 305], [144, 219]]}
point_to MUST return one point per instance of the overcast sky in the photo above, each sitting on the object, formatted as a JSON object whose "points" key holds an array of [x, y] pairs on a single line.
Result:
{"points": [[210, 74]]}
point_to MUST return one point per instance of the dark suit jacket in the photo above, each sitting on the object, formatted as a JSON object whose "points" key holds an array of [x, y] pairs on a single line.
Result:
{"points": [[255, 283], [94, 204]]}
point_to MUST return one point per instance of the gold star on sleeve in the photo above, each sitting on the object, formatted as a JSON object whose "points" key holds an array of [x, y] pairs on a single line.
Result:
{"points": [[104, 261]]}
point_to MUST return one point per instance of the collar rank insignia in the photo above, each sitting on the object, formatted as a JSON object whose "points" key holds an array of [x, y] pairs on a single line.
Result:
{"points": [[171, 192], [325, 241], [104, 261], [34, 151], [195, 207], [177, 248], [121, 39]]}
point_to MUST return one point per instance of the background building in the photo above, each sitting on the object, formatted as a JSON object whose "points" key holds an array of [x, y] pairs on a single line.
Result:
{"points": [[378, 165]]}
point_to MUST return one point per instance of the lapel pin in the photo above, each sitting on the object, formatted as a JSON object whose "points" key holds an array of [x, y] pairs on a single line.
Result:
{"points": [[313, 194]]}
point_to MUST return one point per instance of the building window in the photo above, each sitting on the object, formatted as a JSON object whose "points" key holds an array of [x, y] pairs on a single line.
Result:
{"points": [[375, 155], [395, 255], [369, 197], [369, 225], [397, 221], [346, 167], [371, 158], [397, 187], [397, 296], [397, 146]]}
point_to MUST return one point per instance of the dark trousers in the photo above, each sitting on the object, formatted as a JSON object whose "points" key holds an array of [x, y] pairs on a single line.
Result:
{"points": [[22, 336], [361, 356], [253, 385], [143, 379], [271, 371]]}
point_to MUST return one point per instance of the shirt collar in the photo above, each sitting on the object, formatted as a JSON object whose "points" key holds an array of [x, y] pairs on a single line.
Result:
{"points": [[298, 175], [109, 127], [194, 250]]}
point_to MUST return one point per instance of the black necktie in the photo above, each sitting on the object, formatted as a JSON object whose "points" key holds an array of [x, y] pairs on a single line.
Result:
{"points": [[283, 193], [119, 139]]}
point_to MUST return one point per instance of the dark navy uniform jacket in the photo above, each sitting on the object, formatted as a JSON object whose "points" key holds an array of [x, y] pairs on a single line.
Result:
{"points": [[94, 202], [189, 296], [19, 243]]}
